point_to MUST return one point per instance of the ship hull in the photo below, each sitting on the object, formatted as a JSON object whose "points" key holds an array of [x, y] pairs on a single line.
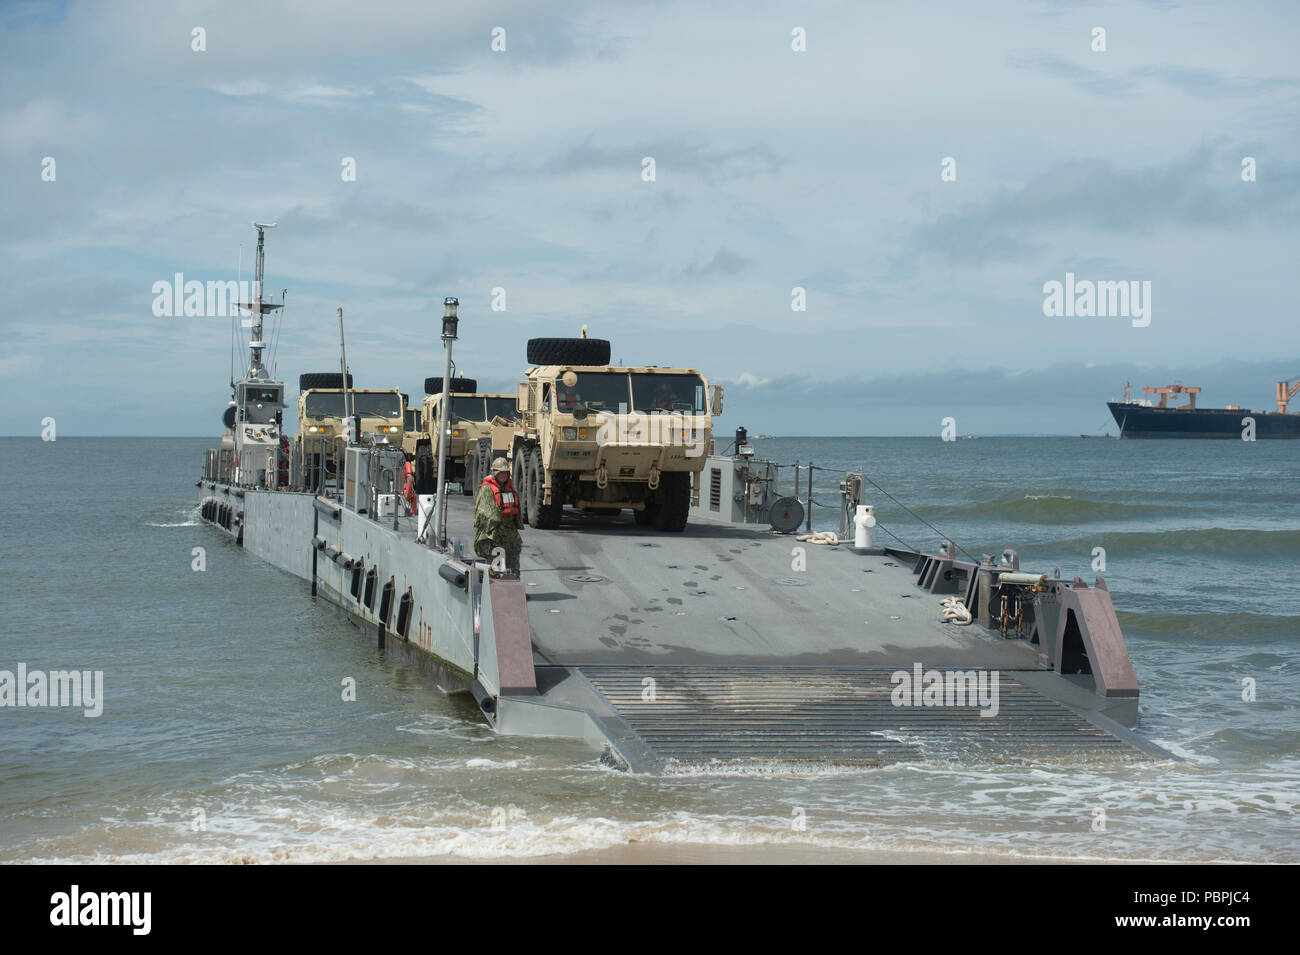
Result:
{"points": [[1140, 421]]}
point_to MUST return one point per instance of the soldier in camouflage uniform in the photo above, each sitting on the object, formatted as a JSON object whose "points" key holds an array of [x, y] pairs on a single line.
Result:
{"points": [[497, 520]]}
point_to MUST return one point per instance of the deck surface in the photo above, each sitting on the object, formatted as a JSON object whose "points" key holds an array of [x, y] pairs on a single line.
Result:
{"points": [[757, 663]]}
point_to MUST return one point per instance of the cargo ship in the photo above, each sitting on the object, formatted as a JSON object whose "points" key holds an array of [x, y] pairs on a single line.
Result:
{"points": [[1158, 419], [690, 629]]}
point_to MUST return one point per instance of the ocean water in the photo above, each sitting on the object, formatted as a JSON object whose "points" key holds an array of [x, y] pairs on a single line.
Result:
{"points": [[224, 736]]}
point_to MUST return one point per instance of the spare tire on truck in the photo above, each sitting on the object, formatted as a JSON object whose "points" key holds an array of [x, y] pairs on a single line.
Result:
{"points": [[433, 386], [228, 416], [568, 351], [323, 379]]}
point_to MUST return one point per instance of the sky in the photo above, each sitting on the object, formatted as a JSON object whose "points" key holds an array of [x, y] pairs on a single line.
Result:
{"points": [[920, 171]]}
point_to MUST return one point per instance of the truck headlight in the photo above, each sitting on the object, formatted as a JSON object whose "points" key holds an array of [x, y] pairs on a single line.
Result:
{"points": [[570, 434]]}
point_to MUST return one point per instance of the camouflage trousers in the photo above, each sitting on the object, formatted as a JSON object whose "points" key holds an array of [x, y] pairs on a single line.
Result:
{"points": [[512, 545]]}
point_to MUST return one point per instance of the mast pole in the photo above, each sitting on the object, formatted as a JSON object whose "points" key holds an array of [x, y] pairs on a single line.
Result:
{"points": [[343, 368], [255, 368], [449, 323]]}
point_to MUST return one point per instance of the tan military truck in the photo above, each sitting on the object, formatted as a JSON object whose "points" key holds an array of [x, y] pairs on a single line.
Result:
{"points": [[603, 438], [469, 419], [411, 426], [322, 424]]}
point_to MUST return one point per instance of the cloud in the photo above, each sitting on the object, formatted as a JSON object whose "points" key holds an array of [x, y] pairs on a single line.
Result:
{"points": [[723, 263], [522, 170], [1193, 80], [746, 380], [1202, 190]]}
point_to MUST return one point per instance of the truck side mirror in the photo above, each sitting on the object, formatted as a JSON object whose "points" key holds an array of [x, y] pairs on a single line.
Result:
{"points": [[524, 403], [716, 403]]}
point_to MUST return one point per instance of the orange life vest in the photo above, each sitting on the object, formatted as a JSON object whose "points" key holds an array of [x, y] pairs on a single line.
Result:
{"points": [[409, 491], [507, 500]]}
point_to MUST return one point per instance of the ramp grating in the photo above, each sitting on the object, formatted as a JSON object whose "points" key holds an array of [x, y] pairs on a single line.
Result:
{"points": [[777, 716]]}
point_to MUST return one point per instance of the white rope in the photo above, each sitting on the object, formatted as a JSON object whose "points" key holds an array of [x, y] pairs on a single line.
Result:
{"points": [[820, 537], [954, 611]]}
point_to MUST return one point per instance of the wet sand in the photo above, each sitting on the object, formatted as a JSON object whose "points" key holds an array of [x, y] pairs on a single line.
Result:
{"points": [[652, 854]]}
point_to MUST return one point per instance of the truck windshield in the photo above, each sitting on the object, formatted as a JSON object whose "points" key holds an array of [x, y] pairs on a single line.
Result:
{"points": [[658, 394], [594, 391], [478, 408], [329, 404]]}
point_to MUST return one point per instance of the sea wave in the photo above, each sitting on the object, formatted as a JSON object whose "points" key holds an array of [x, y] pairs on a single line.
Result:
{"points": [[1244, 543], [1052, 509], [1208, 627]]}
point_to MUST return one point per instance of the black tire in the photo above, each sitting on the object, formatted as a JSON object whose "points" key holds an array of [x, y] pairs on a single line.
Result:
{"points": [[568, 351], [423, 470], [519, 478], [472, 478], [228, 417], [542, 516], [433, 386], [323, 379], [674, 497]]}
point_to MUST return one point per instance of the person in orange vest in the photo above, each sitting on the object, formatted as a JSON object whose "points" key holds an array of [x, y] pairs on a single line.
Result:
{"points": [[497, 519]]}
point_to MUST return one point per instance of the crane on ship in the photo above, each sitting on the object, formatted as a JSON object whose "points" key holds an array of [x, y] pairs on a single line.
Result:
{"points": [[1285, 392], [1190, 391]]}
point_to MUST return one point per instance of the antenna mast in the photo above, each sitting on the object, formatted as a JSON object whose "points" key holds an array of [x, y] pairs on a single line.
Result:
{"points": [[255, 367]]}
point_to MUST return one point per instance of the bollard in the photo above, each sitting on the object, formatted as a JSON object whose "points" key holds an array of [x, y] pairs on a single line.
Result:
{"points": [[863, 521]]}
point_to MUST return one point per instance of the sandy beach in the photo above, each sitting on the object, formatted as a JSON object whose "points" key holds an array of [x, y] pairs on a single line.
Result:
{"points": [[648, 854]]}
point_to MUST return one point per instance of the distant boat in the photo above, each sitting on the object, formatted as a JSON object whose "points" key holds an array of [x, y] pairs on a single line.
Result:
{"points": [[1148, 419]]}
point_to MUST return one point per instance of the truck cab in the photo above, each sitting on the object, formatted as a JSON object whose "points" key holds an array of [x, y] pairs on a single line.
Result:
{"points": [[470, 419], [605, 438]]}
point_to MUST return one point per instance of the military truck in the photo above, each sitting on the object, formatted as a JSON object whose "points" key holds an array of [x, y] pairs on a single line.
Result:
{"points": [[322, 423], [604, 438], [411, 426], [470, 418]]}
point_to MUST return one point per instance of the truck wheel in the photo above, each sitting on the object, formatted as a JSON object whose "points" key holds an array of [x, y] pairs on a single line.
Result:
{"points": [[425, 479], [519, 478], [647, 517], [541, 516], [433, 386], [568, 351], [472, 478], [323, 379], [674, 501]]}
